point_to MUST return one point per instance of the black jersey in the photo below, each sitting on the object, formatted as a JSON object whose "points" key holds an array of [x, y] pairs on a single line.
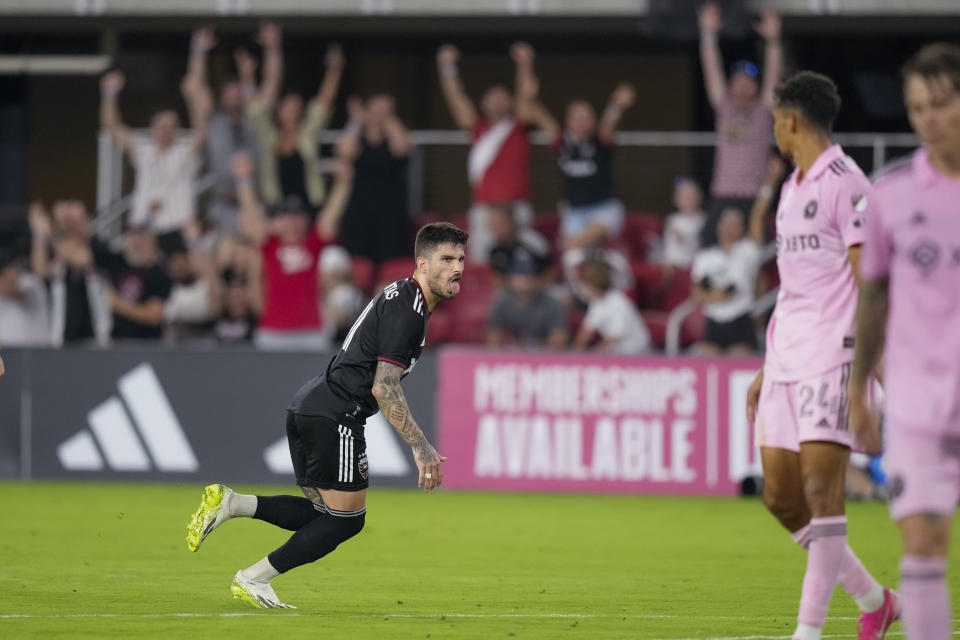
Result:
{"points": [[392, 328]]}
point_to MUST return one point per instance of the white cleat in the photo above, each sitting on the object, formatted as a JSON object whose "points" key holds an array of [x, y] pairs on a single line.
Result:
{"points": [[258, 594], [213, 511]]}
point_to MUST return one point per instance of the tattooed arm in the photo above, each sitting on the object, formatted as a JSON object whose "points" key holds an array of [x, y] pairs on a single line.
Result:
{"points": [[871, 328], [393, 404]]}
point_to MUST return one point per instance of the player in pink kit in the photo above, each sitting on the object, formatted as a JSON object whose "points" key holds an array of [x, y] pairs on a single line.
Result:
{"points": [[799, 398], [911, 259]]}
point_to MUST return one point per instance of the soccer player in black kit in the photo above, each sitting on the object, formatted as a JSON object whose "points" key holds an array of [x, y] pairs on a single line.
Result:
{"points": [[325, 423]]}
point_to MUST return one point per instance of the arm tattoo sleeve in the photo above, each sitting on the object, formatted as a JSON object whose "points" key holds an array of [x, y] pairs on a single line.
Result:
{"points": [[871, 328], [393, 404]]}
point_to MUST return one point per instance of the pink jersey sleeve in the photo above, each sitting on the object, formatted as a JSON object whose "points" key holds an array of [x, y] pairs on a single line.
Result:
{"points": [[854, 204], [877, 247]]}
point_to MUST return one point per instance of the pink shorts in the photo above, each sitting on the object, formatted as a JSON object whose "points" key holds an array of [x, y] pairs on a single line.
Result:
{"points": [[924, 471], [805, 411]]}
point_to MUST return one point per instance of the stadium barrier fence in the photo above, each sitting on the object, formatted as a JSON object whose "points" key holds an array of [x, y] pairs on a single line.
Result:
{"points": [[515, 421], [585, 423], [142, 414]]}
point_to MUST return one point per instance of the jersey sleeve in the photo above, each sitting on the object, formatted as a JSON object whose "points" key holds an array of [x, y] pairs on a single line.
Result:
{"points": [[877, 246], [400, 332], [854, 204]]}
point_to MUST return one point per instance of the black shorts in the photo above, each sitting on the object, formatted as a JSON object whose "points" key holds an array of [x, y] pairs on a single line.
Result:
{"points": [[726, 334], [327, 455]]}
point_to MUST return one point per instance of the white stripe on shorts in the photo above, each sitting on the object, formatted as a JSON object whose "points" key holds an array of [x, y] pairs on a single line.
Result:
{"points": [[342, 456], [345, 472], [350, 459]]}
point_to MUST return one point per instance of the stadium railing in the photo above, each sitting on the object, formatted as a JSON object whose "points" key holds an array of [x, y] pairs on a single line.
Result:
{"points": [[112, 203]]}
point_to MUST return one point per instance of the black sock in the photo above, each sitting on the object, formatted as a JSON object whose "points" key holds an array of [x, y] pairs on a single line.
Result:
{"points": [[286, 512], [317, 538]]}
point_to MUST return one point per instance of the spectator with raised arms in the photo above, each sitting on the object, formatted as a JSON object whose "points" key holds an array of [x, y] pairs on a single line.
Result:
{"points": [[376, 224], [165, 164], [591, 215], [289, 158], [743, 109], [289, 251], [498, 166], [61, 253], [228, 128]]}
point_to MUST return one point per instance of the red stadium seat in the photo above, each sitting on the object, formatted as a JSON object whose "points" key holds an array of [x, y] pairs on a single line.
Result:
{"points": [[649, 289], [639, 230], [471, 308], [442, 326], [656, 322], [549, 225], [395, 269], [679, 290], [364, 272], [690, 331]]}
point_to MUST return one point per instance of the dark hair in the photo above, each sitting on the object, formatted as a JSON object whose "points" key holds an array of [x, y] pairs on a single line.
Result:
{"points": [[434, 234], [814, 95], [935, 60], [598, 274]]}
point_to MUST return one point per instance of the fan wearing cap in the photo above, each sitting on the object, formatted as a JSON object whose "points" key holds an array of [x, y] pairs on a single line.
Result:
{"points": [[523, 314], [743, 108], [289, 251], [342, 299]]}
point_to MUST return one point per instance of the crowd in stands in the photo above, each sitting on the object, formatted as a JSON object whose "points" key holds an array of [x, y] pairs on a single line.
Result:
{"points": [[287, 246]]}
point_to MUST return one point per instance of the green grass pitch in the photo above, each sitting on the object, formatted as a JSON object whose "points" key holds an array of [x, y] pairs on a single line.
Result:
{"points": [[109, 560]]}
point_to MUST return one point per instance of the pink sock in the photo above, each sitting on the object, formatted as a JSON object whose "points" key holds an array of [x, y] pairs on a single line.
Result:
{"points": [[853, 576], [828, 540], [926, 605]]}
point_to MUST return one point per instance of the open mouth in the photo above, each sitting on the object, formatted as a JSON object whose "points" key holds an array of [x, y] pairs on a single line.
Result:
{"points": [[455, 285]]}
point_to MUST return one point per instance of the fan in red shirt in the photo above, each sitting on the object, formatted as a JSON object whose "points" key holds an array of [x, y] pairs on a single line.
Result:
{"points": [[289, 252], [498, 166]]}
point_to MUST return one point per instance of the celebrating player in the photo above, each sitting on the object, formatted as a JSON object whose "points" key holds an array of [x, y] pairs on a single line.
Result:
{"points": [[911, 265], [799, 398], [325, 422]]}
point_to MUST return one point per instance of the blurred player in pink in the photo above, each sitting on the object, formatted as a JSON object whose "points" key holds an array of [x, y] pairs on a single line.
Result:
{"points": [[911, 261], [799, 398]]}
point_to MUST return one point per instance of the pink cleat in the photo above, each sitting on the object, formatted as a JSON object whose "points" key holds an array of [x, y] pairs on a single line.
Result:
{"points": [[874, 625]]}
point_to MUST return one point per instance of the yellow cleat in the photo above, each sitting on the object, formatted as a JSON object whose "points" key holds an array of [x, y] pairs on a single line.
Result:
{"points": [[257, 594], [211, 513]]}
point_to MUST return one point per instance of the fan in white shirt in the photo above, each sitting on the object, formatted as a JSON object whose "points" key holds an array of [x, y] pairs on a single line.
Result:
{"points": [[724, 279], [681, 233], [611, 316], [166, 165]]}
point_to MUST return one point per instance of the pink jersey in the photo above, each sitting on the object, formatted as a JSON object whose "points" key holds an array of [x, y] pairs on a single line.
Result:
{"points": [[818, 219], [915, 240]]}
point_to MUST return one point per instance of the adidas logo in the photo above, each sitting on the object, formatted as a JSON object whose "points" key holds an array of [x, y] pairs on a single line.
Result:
{"points": [[125, 428], [823, 424], [385, 455]]}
